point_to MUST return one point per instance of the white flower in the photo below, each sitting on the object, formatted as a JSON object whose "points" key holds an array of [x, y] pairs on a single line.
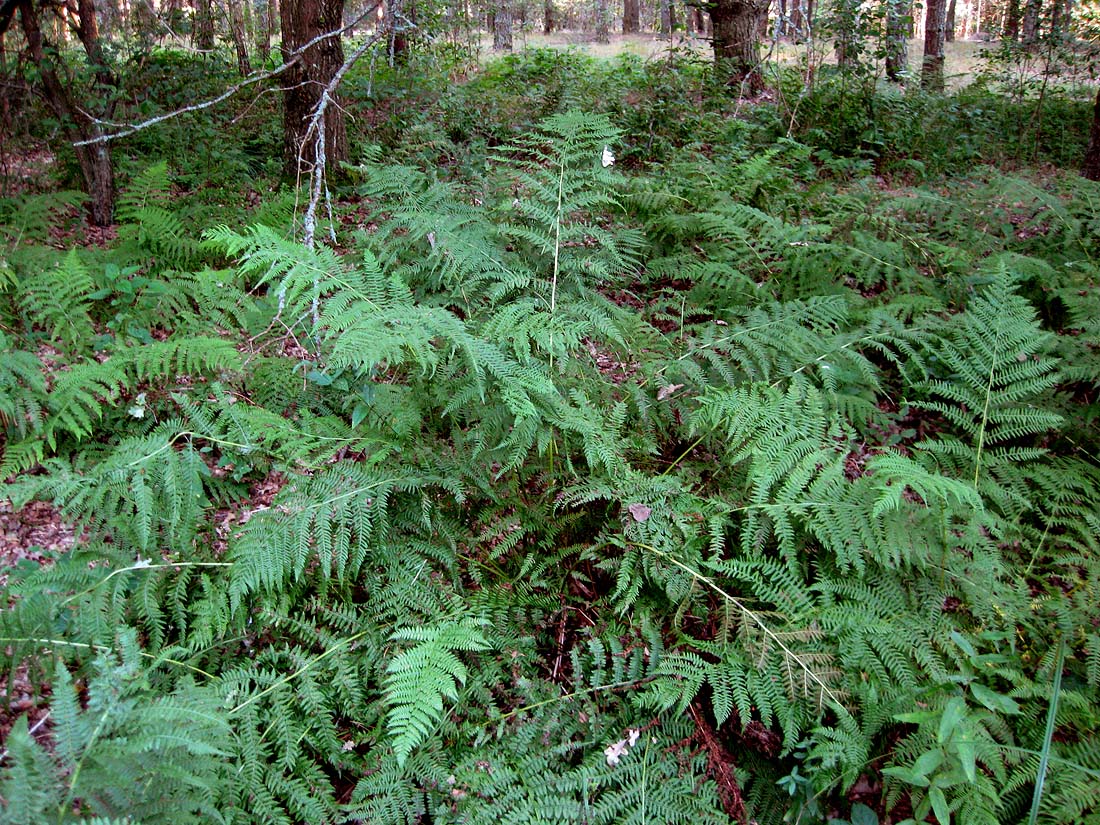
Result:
{"points": [[608, 157]]}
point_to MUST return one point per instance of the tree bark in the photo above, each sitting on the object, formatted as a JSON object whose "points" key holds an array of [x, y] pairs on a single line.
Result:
{"points": [[847, 33], [240, 42], [203, 33], [935, 19], [603, 22], [632, 16], [548, 16], [1091, 168], [736, 45], [949, 24], [1031, 22], [306, 79], [897, 44], [73, 113], [796, 20], [1012, 20], [502, 27]]}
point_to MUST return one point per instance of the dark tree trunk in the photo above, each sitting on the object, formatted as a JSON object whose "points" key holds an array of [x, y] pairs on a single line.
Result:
{"points": [[949, 24], [79, 125], [203, 34], [931, 72], [306, 79], [632, 16], [1012, 20], [548, 16], [897, 45], [502, 27], [736, 42], [1091, 169]]}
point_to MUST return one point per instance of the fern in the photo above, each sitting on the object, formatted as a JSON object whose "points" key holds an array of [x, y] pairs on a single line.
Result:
{"points": [[126, 754], [420, 678]]}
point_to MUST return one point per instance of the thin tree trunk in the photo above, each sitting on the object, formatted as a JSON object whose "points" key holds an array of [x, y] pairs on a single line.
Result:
{"points": [[203, 33], [1031, 22], [796, 20], [847, 33], [935, 18], [240, 42], [306, 79], [1012, 20], [603, 22], [94, 159], [1091, 169], [897, 45], [949, 24], [502, 27]]}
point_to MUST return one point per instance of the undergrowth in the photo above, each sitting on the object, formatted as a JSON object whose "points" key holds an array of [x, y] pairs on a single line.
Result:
{"points": [[696, 493]]}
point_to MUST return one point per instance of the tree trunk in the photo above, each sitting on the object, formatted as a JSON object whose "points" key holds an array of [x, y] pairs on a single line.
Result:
{"points": [[603, 22], [736, 46], [240, 42], [796, 20], [1031, 22], [1012, 20], [1091, 169], [949, 24], [203, 33], [935, 18], [632, 16], [502, 27], [847, 34], [548, 16], [897, 44], [79, 125], [305, 81]]}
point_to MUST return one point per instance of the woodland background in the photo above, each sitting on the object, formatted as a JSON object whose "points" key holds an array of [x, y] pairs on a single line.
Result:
{"points": [[549, 412]]}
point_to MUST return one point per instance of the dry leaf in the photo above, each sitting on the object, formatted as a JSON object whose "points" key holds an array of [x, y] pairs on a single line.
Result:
{"points": [[639, 511], [665, 392]]}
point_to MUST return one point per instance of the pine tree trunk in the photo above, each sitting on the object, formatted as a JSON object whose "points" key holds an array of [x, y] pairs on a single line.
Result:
{"points": [[935, 18], [1091, 169], [240, 42], [897, 44], [847, 29], [796, 29], [603, 22], [304, 82], [93, 159], [736, 46], [203, 33], [548, 16], [632, 16], [1012, 20], [949, 24], [1031, 22], [502, 27]]}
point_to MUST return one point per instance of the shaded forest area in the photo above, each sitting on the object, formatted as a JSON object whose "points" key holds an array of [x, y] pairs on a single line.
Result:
{"points": [[560, 412]]}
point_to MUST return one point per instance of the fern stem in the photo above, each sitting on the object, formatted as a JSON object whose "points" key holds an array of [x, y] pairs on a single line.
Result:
{"points": [[749, 614], [1048, 736], [143, 566], [985, 413], [557, 256], [106, 649], [336, 648]]}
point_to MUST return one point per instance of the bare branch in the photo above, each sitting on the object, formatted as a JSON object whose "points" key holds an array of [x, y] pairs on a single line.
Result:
{"points": [[251, 80]]}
